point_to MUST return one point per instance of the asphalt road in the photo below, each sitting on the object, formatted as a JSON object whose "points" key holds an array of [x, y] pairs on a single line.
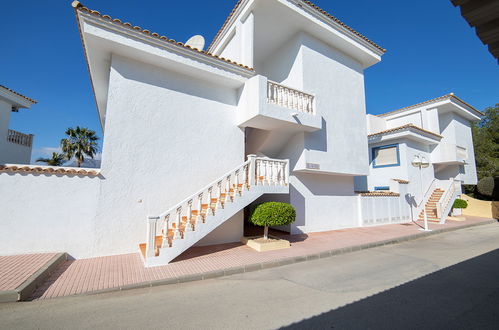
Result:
{"points": [[447, 281]]}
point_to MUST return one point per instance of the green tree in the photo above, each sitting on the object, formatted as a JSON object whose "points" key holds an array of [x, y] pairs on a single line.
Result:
{"points": [[56, 160], [272, 214], [486, 143], [80, 142]]}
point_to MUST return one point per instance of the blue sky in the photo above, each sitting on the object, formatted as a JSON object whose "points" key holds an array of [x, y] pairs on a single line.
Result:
{"points": [[431, 51]]}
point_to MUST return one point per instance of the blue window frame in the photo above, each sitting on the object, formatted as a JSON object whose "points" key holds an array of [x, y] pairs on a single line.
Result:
{"points": [[375, 151], [382, 188]]}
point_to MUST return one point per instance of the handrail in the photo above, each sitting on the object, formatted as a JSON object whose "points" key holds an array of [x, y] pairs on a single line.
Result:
{"points": [[254, 171], [289, 97], [428, 193], [211, 185], [447, 189], [444, 202]]}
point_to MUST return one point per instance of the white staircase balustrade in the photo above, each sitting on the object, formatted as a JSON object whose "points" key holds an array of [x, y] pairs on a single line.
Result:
{"points": [[289, 98], [446, 201], [174, 231]]}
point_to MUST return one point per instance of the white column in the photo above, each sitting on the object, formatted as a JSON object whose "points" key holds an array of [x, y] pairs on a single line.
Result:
{"points": [[152, 222]]}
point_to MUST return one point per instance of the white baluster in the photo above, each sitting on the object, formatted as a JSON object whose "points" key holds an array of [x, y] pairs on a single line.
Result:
{"points": [[177, 234], [166, 225]]}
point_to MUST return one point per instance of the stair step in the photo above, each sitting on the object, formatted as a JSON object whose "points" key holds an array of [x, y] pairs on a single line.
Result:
{"points": [[142, 246]]}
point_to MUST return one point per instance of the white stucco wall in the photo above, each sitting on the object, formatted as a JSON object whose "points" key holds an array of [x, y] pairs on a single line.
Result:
{"points": [[239, 47], [48, 213], [166, 137], [338, 83], [404, 119]]}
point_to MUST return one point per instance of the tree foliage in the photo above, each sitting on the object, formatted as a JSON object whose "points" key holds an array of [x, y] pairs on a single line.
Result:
{"points": [[80, 142], [57, 159], [273, 214], [486, 143], [460, 204]]}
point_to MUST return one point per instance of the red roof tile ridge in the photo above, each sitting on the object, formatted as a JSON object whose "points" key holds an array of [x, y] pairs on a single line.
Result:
{"points": [[18, 94], [19, 168], [78, 6], [378, 193], [313, 6], [443, 97], [344, 25], [391, 130]]}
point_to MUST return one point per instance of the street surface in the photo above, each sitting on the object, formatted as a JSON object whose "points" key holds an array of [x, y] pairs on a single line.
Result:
{"points": [[447, 281]]}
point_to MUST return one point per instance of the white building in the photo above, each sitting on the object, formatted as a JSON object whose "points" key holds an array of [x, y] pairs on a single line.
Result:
{"points": [[15, 147], [438, 130], [192, 137]]}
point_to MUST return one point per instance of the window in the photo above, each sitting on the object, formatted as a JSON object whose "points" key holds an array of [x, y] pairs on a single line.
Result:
{"points": [[386, 156], [382, 188]]}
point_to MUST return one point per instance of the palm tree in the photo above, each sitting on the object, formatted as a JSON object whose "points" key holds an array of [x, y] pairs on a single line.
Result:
{"points": [[80, 142], [56, 160]]}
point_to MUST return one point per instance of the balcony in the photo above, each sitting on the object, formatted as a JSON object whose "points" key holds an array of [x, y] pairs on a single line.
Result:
{"points": [[19, 138], [449, 153], [269, 105]]}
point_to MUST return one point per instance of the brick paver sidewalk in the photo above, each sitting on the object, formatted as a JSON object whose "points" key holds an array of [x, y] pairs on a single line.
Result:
{"points": [[14, 270], [125, 271]]}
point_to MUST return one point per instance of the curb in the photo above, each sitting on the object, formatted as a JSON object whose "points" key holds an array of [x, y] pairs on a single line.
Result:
{"points": [[280, 262], [26, 289]]}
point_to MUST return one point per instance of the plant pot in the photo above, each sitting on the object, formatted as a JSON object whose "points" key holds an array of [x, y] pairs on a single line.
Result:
{"points": [[457, 212]]}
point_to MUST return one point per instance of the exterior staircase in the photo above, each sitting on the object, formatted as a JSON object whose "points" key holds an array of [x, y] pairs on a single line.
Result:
{"points": [[431, 206], [174, 231]]}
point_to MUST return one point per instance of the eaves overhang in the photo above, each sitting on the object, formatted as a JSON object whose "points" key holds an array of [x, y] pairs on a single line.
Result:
{"points": [[103, 37], [16, 99], [448, 100], [345, 38]]}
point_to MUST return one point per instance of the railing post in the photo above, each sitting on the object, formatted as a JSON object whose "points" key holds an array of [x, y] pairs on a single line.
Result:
{"points": [[152, 223], [286, 173], [164, 240]]}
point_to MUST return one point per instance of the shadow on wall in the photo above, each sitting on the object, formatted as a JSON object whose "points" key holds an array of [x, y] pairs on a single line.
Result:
{"points": [[298, 201], [411, 200], [446, 299], [173, 81], [317, 140]]}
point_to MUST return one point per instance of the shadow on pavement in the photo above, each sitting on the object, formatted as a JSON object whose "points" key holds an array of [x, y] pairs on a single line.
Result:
{"points": [[463, 296]]}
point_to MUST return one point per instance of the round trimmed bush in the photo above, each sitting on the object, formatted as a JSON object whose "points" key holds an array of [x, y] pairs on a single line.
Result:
{"points": [[486, 186], [460, 204], [273, 214]]}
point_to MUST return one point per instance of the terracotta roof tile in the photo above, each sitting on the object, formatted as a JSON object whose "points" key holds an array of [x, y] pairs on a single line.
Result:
{"points": [[378, 193], [48, 170], [78, 6], [344, 25], [310, 4], [401, 181], [401, 128], [440, 98], [25, 97]]}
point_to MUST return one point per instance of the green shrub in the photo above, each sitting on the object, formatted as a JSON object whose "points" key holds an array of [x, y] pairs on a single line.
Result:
{"points": [[486, 186], [273, 214], [460, 204]]}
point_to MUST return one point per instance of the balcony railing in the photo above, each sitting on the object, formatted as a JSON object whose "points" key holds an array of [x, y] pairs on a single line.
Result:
{"points": [[20, 138], [289, 98]]}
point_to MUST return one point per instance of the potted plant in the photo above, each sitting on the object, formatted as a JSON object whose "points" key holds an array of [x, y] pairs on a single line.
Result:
{"points": [[267, 215], [459, 205]]}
